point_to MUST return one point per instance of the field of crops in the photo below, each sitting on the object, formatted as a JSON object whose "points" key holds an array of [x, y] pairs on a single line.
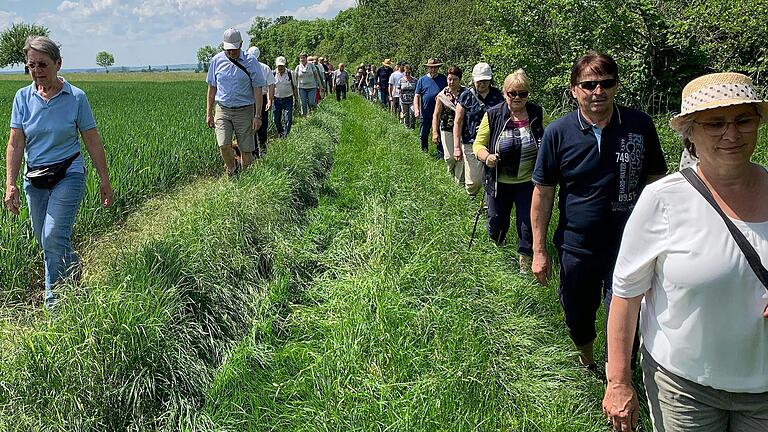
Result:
{"points": [[327, 288], [155, 137]]}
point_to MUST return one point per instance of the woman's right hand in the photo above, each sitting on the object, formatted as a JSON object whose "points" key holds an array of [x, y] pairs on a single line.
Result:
{"points": [[12, 200], [621, 406], [491, 160], [435, 137]]}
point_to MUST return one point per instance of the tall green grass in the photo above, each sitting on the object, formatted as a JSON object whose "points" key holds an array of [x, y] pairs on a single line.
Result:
{"points": [[163, 300], [155, 139], [397, 326]]}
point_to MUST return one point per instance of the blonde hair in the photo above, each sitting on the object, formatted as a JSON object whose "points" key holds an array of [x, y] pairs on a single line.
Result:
{"points": [[517, 78]]}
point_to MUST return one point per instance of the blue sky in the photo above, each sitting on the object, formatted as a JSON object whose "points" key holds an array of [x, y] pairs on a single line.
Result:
{"points": [[150, 32]]}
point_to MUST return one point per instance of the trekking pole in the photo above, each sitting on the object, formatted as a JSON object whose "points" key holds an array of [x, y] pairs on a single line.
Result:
{"points": [[477, 218]]}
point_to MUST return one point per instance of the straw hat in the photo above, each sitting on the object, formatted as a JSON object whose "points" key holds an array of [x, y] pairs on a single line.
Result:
{"points": [[433, 62], [717, 90], [387, 62]]}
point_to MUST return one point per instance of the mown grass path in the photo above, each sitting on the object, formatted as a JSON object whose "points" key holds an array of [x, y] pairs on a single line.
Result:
{"points": [[389, 323]]}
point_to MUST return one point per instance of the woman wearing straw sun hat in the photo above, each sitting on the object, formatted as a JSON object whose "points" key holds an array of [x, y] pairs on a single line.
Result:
{"points": [[703, 321]]}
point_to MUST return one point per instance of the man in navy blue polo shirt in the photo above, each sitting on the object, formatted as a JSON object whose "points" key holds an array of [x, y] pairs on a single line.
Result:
{"points": [[601, 156]]}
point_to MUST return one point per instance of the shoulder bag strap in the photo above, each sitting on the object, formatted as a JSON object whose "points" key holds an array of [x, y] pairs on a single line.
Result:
{"points": [[242, 68], [753, 258], [477, 98]]}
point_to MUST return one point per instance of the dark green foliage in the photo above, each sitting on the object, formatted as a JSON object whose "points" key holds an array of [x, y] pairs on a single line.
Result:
{"points": [[659, 45], [12, 42]]}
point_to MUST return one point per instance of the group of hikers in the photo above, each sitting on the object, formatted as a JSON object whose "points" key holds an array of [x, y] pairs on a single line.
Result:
{"points": [[242, 91], [675, 258]]}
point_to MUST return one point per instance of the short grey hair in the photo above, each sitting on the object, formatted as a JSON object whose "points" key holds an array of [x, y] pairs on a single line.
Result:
{"points": [[44, 45]]}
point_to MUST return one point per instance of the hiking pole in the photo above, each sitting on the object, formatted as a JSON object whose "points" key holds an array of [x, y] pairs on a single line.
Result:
{"points": [[477, 218]]}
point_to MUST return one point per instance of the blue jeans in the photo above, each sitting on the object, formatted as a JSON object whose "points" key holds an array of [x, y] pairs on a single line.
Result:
{"points": [[280, 107], [384, 98], [53, 212], [307, 98]]}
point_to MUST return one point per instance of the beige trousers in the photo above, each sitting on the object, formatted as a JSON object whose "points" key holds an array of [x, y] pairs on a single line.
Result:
{"points": [[473, 170], [455, 168], [680, 405]]}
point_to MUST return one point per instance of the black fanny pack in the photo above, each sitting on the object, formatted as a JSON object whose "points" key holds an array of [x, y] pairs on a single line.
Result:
{"points": [[48, 176]]}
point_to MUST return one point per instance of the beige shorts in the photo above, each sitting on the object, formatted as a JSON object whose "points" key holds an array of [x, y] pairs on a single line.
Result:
{"points": [[237, 121]]}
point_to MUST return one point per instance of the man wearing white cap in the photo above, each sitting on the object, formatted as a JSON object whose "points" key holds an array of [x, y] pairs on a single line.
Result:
{"points": [[286, 97], [234, 90], [267, 96]]}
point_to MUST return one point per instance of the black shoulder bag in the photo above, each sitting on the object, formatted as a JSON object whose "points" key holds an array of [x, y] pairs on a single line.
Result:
{"points": [[48, 176], [746, 247]]}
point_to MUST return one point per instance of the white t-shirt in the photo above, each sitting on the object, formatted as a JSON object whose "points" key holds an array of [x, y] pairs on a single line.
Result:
{"points": [[268, 76], [394, 79], [702, 315]]}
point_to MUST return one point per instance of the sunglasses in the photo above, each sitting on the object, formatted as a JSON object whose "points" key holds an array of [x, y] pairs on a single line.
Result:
{"points": [[522, 94], [605, 84]]}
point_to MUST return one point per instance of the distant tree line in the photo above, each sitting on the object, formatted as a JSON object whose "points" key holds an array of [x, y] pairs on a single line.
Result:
{"points": [[659, 44]]}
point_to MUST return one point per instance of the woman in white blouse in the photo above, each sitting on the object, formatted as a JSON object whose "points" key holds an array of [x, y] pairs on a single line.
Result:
{"points": [[703, 319]]}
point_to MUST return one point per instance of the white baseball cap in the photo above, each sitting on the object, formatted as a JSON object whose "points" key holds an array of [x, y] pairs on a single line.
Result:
{"points": [[280, 61], [232, 39], [254, 52], [481, 72]]}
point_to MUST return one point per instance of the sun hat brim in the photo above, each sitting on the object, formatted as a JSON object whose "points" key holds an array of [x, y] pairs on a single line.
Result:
{"points": [[677, 122]]}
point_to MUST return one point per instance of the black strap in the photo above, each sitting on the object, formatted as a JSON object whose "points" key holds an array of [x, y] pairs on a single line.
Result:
{"points": [[242, 68], [477, 98], [753, 258]]}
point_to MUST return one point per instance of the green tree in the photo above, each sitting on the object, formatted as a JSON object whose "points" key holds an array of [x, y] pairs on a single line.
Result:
{"points": [[12, 43], [105, 60], [205, 55]]}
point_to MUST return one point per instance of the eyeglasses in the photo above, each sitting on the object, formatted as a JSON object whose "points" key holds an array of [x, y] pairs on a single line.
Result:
{"points": [[605, 84], [718, 128], [40, 65], [522, 94]]}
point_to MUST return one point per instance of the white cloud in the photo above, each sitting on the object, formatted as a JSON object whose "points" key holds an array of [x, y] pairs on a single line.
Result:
{"points": [[8, 19], [323, 9]]}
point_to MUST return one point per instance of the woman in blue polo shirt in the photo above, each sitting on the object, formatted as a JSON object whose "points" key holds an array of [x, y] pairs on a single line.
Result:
{"points": [[46, 118]]}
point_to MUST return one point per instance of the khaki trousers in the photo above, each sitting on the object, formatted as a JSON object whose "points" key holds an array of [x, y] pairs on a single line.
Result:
{"points": [[455, 168], [473, 170], [680, 405]]}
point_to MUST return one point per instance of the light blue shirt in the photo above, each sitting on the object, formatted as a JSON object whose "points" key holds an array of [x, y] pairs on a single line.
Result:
{"points": [[234, 88], [598, 131], [51, 129]]}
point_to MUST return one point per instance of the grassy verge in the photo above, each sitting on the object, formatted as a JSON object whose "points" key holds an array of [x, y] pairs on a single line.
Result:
{"points": [[397, 326], [164, 300]]}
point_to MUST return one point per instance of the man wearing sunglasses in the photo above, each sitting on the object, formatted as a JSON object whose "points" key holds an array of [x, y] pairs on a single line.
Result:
{"points": [[601, 156]]}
